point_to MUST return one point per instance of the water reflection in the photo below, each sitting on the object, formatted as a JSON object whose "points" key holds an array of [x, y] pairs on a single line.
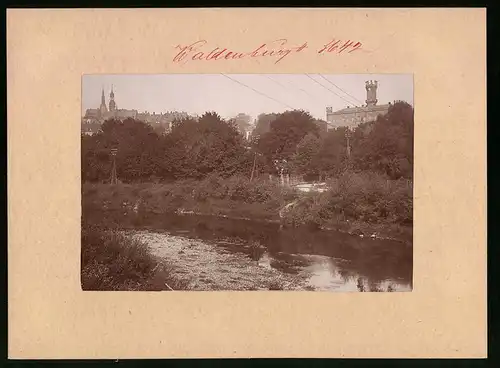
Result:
{"points": [[328, 260]]}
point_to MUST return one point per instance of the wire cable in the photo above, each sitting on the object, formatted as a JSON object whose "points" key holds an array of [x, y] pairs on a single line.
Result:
{"points": [[294, 86], [263, 94], [260, 93], [333, 84], [336, 94]]}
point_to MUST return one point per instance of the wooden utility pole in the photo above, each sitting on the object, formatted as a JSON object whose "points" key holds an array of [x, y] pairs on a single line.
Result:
{"points": [[347, 133], [253, 167], [114, 177]]}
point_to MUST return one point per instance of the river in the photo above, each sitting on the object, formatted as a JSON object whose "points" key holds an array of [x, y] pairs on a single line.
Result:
{"points": [[228, 254]]}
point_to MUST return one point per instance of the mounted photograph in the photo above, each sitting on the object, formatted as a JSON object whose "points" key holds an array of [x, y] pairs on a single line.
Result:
{"points": [[247, 182]]}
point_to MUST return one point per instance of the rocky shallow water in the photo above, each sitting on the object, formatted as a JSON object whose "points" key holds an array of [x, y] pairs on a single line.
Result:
{"points": [[210, 267], [213, 253]]}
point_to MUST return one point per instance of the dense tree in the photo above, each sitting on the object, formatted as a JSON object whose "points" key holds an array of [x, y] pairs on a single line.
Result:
{"points": [[204, 146], [332, 156], [197, 147], [263, 124], [138, 151], [388, 145], [286, 131], [304, 161], [322, 126]]}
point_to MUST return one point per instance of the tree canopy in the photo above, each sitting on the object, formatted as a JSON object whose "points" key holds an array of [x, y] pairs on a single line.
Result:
{"points": [[196, 147]]}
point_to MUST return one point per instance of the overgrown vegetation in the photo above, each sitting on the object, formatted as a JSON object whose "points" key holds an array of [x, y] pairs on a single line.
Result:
{"points": [[233, 196], [358, 202], [111, 261], [204, 165]]}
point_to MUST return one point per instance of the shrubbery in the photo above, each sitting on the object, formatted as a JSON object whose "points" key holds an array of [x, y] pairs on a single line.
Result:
{"points": [[112, 262], [234, 196], [239, 188], [366, 197]]}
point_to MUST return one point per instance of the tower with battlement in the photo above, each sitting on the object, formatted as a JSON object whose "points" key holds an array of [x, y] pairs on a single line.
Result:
{"points": [[352, 116], [371, 93]]}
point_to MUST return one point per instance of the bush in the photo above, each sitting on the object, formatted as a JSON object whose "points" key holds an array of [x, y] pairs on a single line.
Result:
{"points": [[239, 188], [111, 261], [366, 197]]}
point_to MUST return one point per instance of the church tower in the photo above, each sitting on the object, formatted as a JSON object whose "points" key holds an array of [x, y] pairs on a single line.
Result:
{"points": [[112, 103], [371, 93], [103, 109]]}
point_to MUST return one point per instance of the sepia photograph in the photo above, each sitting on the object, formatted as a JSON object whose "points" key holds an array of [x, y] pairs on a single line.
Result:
{"points": [[247, 182]]}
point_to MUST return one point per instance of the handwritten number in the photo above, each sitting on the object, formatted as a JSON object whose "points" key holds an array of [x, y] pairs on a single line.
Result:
{"points": [[356, 46]]}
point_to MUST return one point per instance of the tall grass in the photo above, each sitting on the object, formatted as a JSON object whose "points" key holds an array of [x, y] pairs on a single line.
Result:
{"points": [[111, 261]]}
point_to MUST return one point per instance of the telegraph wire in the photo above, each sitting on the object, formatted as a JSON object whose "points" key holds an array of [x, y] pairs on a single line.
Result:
{"points": [[260, 93], [290, 83], [300, 89], [336, 94], [263, 94], [333, 84], [274, 80]]}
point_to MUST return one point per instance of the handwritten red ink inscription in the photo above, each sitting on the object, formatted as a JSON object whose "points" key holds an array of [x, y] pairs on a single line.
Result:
{"points": [[340, 46], [278, 49]]}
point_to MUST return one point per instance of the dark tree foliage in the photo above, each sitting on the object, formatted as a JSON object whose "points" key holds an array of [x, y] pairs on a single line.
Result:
{"points": [[388, 146], [197, 147], [204, 146], [138, 151], [286, 131], [384, 146], [263, 124], [193, 149]]}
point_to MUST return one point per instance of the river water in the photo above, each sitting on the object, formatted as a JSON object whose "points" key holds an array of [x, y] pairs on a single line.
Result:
{"points": [[321, 260]]}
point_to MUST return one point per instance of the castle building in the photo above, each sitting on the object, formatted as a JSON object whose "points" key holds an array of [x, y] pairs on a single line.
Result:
{"points": [[93, 118], [351, 117]]}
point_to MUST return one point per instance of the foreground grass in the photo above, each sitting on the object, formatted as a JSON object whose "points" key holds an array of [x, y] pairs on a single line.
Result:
{"points": [[110, 261]]}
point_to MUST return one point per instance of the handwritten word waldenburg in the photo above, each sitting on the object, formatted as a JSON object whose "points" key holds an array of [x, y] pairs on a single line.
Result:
{"points": [[278, 49]]}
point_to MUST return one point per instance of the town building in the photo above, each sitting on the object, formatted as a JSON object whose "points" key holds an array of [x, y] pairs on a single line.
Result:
{"points": [[93, 118], [351, 117]]}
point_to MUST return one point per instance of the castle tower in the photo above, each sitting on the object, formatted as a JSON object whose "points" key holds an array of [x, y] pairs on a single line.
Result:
{"points": [[103, 109], [112, 103], [371, 93]]}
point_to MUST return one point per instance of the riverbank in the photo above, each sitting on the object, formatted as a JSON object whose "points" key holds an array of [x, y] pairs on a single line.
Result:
{"points": [[147, 261], [110, 260], [216, 254], [361, 205], [233, 197]]}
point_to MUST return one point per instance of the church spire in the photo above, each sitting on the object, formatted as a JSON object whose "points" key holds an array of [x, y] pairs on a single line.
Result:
{"points": [[112, 103], [103, 107]]}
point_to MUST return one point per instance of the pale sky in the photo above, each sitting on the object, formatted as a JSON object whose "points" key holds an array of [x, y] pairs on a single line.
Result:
{"points": [[198, 93]]}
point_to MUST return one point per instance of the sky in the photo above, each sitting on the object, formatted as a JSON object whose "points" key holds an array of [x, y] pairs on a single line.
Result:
{"points": [[252, 94]]}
